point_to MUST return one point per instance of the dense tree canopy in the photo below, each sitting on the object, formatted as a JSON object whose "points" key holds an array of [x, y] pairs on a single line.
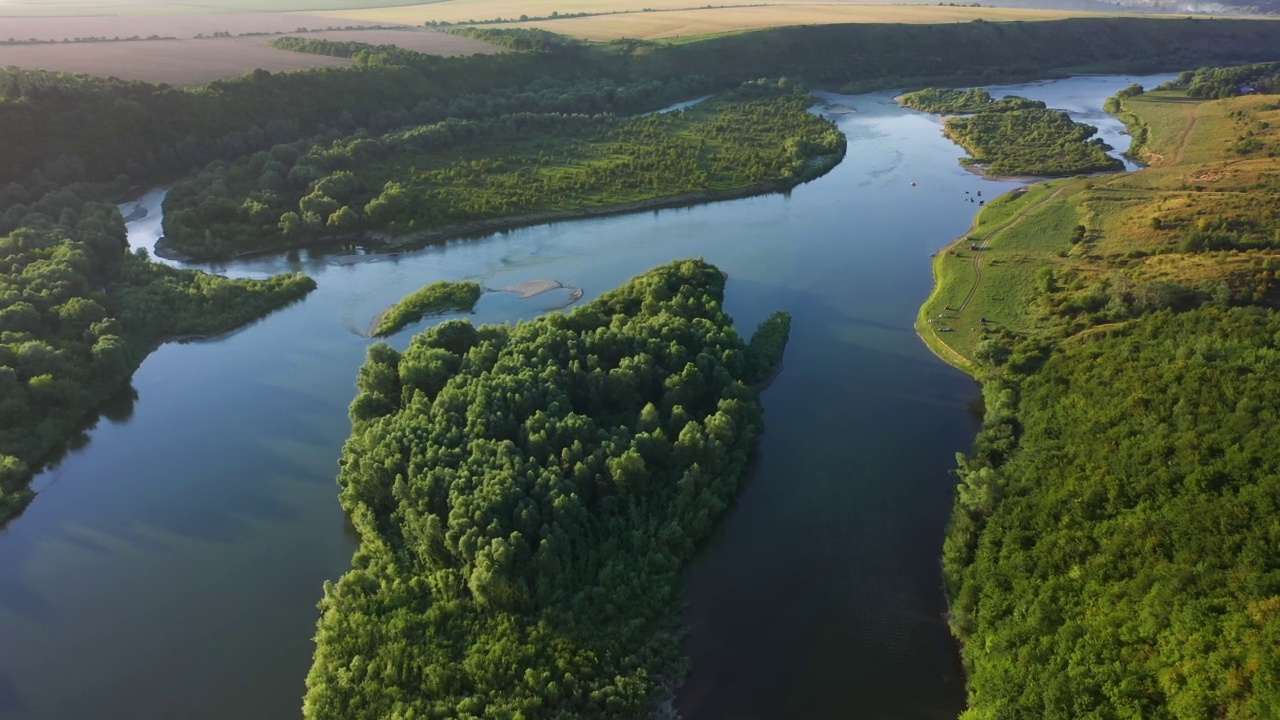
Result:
{"points": [[526, 498], [950, 101], [78, 313], [1214, 83], [438, 297], [454, 172], [1015, 136], [1115, 551], [1031, 141]]}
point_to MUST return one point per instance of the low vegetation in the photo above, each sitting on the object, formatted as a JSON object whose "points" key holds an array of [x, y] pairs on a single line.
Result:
{"points": [[526, 498], [78, 312], [1015, 136], [1110, 553], [434, 299], [152, 133], [448, 174], [1035, 141], [950, 101]]}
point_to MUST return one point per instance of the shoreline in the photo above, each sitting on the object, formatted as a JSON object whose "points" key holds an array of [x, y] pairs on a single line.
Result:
{"points": [[385, 241], [382, 240]]}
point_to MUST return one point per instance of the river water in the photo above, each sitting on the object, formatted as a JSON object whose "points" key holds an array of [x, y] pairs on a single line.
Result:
{"points": [[171, 564]]}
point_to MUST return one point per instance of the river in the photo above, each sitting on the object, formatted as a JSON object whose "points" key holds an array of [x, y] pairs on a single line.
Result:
{"points": [[171, 564]]}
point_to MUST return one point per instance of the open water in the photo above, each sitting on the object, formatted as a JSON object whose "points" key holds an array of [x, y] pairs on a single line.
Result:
{"points": [[171, 564]]}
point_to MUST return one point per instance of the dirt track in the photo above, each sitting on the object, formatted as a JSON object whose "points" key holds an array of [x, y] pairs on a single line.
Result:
{"points": [[977, 257]]}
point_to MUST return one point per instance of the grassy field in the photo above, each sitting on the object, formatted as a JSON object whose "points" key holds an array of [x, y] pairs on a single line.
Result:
{"points": [[1035, 272], [180, 26], [678, 23], [655, 19], [92, 8], [189, 61]]}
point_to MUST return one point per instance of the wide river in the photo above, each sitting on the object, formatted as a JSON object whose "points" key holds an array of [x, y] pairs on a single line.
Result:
{"points": [[171, 564]]}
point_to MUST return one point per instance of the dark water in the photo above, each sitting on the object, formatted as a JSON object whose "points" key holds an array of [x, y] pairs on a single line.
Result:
{"points": [[170, 567]]}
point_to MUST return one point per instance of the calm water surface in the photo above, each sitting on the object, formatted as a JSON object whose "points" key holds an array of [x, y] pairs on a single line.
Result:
{"points": [[170, 566]]}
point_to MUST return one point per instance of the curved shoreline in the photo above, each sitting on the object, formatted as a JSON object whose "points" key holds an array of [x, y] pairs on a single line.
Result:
{"points": [[386, 241]]}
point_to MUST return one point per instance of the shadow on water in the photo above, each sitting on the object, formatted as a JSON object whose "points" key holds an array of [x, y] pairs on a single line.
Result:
{"points": [[117, 409], [10, 703], [863, 510]]}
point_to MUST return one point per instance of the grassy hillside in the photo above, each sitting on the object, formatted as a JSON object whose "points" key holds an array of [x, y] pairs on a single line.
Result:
{"points": [[1112, 551], [1199, 221]]}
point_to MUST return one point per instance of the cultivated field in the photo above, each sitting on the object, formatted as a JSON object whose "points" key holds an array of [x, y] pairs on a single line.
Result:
{"points": [[670, 18], [702, 21], [191, 61], [177, 26], [64, 8]]}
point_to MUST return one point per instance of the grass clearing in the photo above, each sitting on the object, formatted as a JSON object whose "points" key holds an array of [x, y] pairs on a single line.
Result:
{"points": [[1214, 168]]}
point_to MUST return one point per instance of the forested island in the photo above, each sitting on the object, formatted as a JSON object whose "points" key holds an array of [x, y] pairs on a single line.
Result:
{"points": [[436, 298], [1112, 551], [952, 101], [1015, 136], [443, 177], [526, 498], [80, 312]]}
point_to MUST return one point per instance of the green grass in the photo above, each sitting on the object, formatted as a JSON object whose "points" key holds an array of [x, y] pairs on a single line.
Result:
{"points": [[1009, 262], [1198, 179]]}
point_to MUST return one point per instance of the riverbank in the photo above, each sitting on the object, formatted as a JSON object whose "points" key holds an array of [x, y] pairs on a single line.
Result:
{"points": [[1127, 334], [236, 496], [382, 241], [1069, 255]]}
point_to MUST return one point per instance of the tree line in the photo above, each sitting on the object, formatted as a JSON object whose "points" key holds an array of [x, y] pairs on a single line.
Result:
{"points": [[526, 497], [150, 132], [1212, 83], [454, 172], [1112, 552], [78, 312], [1112, 548]]}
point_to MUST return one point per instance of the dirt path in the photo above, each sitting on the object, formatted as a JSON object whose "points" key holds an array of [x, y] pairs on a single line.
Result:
{"points": [[1186, 136], [977, 257]]}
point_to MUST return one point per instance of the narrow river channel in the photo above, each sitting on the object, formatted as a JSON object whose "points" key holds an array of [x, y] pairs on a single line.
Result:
{"points": [[171, 564]]}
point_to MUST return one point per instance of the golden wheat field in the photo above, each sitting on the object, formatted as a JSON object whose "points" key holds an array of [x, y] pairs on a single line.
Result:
{"points": [[659, 25], [196, 61], [671, 18]]}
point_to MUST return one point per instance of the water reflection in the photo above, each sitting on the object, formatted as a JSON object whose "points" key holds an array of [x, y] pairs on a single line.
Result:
{"points": [[170, 567]]}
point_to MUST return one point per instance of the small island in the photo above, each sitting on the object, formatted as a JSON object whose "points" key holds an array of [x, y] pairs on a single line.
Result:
{"points": [[527, 497], [434, 299], [1015, 136]]}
